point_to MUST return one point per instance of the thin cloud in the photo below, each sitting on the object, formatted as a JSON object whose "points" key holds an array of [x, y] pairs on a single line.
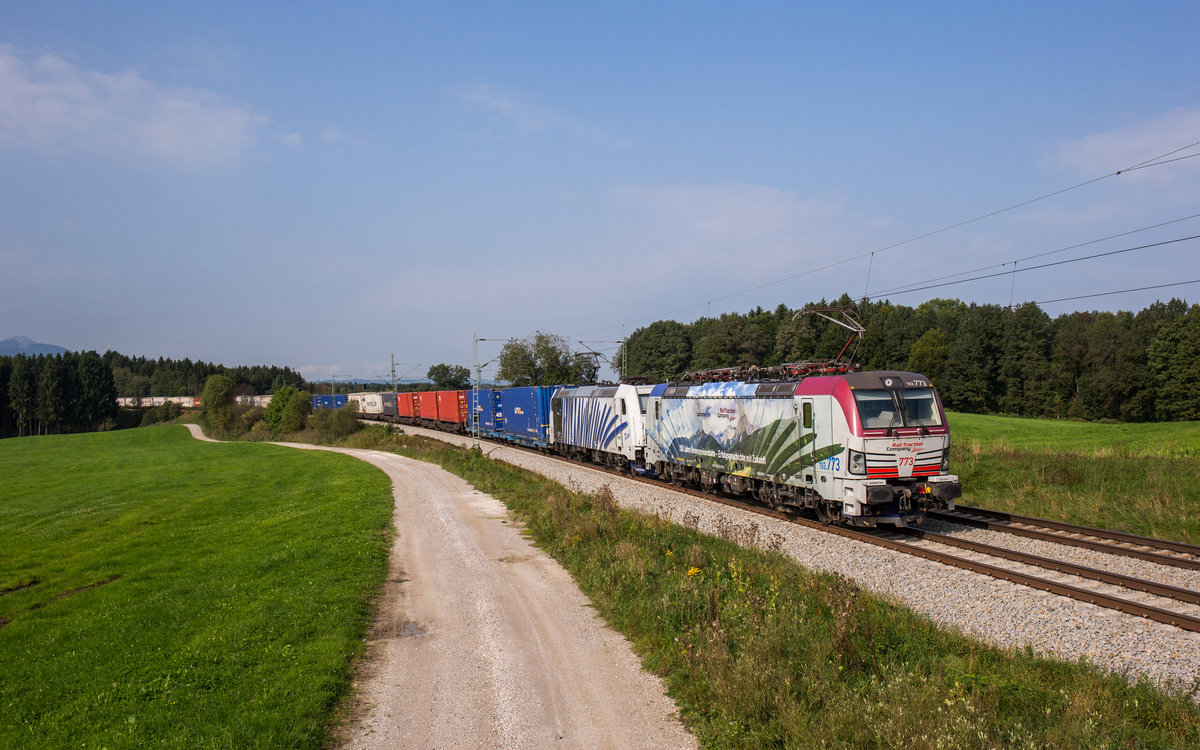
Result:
{"points": [[521, 115], [526, 117], [1117, 149], [333, 135], [54, 106]]}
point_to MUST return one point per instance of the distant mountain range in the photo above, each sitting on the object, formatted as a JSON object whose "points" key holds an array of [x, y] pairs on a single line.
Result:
{"points": [[22, 345]]}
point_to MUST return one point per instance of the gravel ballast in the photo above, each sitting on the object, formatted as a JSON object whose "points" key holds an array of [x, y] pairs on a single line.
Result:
{"points": [[996, 611]]}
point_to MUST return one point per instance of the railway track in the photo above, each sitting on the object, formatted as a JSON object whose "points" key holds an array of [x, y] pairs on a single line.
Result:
{"points": [[1161, 551], [1154, 601], [1170, 605]]}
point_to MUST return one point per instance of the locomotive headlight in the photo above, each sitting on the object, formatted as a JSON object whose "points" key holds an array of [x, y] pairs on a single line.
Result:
{"points": [[946, 461], [858, 463]]}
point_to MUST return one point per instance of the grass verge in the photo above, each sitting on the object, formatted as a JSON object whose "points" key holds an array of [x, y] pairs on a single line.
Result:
{"points": [[761, 653], [1138, 478], [156, 590]]}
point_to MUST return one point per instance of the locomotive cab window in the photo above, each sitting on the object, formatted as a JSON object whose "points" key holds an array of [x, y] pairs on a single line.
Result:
{"points": [[808, 415], [921, 407], [878, 409]]}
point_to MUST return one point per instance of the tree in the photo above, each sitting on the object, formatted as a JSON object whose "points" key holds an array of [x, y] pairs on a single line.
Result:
{"points": [[217, 412], [545, 359], [929, 354], [273, 415], [53, 396], [22, 391], [970, 381], [97, 392], [1024, 366], [450, 377], [5, 376], [660, 351], [1175, 361]]}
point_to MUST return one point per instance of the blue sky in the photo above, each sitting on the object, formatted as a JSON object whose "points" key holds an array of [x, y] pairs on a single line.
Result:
{"points": [[321, 187]]}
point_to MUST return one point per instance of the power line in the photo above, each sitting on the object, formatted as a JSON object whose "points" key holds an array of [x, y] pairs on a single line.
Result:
{"points": [[1048, 265], [905, 287], [1119, 291], [1151, 162]]}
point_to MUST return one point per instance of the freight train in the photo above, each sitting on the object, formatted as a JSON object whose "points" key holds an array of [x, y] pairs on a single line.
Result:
{"points": [[858, 448]]}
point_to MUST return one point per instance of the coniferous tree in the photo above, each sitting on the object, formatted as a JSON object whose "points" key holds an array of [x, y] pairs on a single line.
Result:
{"points": [[22, 392]]}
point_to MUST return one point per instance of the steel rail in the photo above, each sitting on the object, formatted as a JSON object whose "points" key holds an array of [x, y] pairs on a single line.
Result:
{"points": [[1116, 579], [1120, 536], [1049, 536]]}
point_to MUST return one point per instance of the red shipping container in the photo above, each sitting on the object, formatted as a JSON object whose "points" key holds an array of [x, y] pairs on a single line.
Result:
{"points": [[406, 405], [452, 407], [427, 406]]}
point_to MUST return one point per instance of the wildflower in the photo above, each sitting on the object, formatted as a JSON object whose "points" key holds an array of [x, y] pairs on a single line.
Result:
{"points": [[693, 571]]}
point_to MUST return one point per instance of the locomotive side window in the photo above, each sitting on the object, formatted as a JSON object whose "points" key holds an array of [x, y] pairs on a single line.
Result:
{"points": [[921, 406], [808, 415]]}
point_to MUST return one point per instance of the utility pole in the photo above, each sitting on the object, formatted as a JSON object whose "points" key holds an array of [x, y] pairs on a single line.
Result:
{"points": [[476, 382], [475, 392], [393, 372]]}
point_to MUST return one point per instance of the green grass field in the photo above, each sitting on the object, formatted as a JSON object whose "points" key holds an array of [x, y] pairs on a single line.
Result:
{"points": [[160, 591], [1162, 439], [1139, 478]]}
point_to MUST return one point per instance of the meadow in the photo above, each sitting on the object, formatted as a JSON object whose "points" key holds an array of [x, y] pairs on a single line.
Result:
{"points": [[1139, 478], [156, 590]]}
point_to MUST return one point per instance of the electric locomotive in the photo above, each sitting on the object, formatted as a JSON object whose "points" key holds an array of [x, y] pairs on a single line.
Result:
{"points": [[863, 448]]}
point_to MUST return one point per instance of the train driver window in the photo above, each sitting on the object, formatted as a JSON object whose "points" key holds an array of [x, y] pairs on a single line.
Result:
{"points": [[808, 415]]}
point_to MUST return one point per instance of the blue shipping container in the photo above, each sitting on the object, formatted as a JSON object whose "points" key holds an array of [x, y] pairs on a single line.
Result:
{"points": [[488, 409], [329, 402], [526, 413]]}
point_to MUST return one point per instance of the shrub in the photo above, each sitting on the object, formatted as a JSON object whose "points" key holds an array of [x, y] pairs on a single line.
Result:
{"points": [[332, 424]]}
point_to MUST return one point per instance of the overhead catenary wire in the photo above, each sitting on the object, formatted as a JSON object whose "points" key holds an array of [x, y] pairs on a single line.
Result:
{"points": [[905, 287], [1119, 291], [1151, 162], [1048, 265]]}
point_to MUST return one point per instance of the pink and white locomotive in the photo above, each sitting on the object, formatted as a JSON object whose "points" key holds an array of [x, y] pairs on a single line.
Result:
{"points": [[863, 448]]}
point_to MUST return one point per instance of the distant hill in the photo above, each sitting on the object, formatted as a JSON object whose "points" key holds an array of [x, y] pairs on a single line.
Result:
{"points": [[22, 345]]}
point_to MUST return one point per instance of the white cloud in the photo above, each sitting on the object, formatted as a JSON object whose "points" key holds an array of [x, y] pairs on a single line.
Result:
{"points": [[1101, 153], [333, 135], [527, 117], [291, 139], [521, 115], [51, 105]]}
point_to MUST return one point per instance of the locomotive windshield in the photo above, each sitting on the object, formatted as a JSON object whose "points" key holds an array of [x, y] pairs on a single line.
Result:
{"points": [[908, 407]]}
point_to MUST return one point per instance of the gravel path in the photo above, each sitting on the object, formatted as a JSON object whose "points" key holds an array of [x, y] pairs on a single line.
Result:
{"points": [[482, 640], [996, 611]]}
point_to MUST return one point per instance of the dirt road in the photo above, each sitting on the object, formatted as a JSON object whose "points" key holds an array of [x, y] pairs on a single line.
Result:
{"points": [[484, 641]]}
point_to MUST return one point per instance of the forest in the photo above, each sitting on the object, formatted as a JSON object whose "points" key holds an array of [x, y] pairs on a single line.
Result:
{"points": [[1119, 366], [1109, 366], [76, 392]]}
